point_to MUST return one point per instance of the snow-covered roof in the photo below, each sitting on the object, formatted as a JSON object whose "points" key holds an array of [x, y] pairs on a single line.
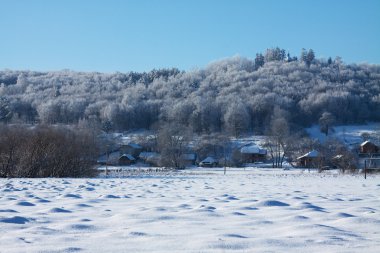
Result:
{"points": [[209, 160], [253, 149], [337, 157], [129, 156], [365, 143], [311, 154], [146, 155], [188, 157]]}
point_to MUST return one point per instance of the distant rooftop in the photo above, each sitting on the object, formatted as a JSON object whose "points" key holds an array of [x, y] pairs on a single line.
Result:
{"points": [[253, 149], [311, 154], [209, 160]]}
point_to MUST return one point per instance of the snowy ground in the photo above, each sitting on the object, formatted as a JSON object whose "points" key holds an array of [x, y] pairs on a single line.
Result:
{"points": [[244, 211], [351, 135]]}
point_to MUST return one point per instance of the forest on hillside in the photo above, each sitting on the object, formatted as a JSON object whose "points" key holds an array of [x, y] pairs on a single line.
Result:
{"points": [[235, 95]]}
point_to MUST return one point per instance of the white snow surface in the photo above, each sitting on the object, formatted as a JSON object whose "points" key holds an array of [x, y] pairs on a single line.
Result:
{"points": [[349, 134], [193, 211]]}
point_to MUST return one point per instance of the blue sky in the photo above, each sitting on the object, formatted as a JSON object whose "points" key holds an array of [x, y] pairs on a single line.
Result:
{"points": [[139, 35]]}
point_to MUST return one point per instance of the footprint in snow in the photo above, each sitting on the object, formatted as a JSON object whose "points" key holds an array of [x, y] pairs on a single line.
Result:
{"points": [[238, 214], [8, 211], [82, 227], [138, 234], [59, 210], [70, 195], [270, 203], [235, 236], [110, 196], [15, 220], [25, 203], [83, 205], [345, 215]]}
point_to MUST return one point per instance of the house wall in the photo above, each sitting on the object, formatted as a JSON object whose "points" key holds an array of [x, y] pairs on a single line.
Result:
{"points": [[309, 162], [369, 148], [251, 158], [188, 162], [125, 161], [126, 149]]}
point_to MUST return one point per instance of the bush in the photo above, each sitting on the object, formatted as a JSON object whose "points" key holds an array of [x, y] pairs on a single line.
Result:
{"points": [[46, 152]]}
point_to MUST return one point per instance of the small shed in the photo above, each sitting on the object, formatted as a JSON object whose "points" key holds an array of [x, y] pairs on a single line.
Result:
{"points": [[313, 159], [109, 158], [188, 159], [131, 148], [126, 159], [209, 162], [368, 147], [252, 154], [151, 158]]}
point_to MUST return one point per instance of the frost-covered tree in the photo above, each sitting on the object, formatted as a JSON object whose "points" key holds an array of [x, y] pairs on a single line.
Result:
{"points": [[236, 118], [325, 122], [201, 98], [5, 110], [307, 56], [274, 54], [172, 143], [259, 61]]}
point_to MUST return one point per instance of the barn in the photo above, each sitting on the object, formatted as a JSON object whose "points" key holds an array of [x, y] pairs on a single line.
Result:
{"points": [[313, 159], [126, 159], [252, 154], [368, 147]]}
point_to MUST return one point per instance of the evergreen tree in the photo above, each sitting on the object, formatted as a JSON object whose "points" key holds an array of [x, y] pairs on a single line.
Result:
{"points": [[259, 61]]}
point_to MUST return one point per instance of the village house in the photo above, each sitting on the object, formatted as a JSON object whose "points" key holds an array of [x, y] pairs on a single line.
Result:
{"points": [[209, 162], [188, 159], [151, 158], [252, 154], [368, 147], [126, 159], [109, 158], [313, 159], [131, 148]]}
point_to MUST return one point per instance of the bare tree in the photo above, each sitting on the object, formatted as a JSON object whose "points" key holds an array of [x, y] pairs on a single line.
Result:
{"points": [[172, 143], [277, 138]]}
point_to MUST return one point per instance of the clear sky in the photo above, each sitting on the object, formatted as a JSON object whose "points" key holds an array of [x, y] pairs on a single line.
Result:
{"points": [[139, 35]]}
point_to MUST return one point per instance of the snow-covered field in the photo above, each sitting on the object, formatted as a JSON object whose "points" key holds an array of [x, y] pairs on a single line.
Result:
{"points": [[243, 211]]}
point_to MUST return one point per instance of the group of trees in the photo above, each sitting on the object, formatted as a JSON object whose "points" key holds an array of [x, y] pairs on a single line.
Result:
{"points": [[234, 95], [46, 152]]}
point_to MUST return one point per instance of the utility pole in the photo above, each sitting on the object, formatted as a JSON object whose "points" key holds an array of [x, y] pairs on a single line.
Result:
{"points": [[107, 157]]}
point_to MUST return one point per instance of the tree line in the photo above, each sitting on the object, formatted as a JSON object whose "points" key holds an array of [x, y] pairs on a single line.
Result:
{"points": [[234, 95]]}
